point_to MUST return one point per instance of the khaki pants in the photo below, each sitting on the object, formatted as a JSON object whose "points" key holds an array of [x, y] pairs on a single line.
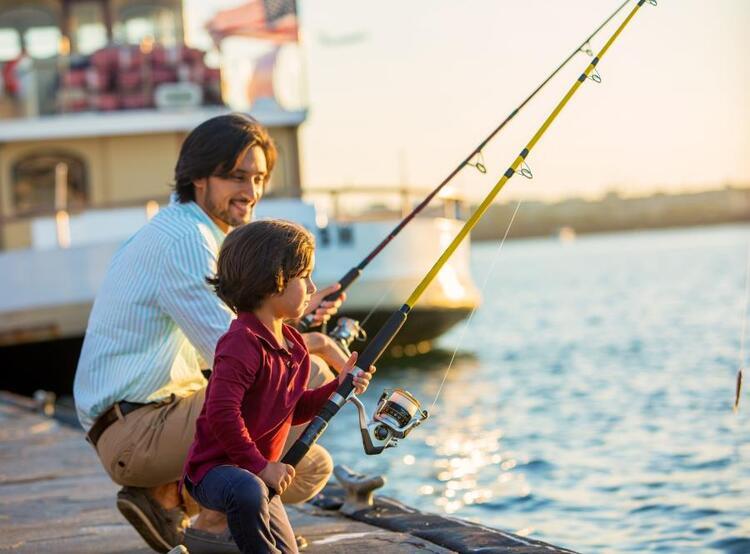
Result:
{"points": [[148, 447]]}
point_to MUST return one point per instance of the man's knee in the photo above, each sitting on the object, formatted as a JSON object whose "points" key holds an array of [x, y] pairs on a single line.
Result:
{"points": [[320, 373], [317, 464], [312, 474]]}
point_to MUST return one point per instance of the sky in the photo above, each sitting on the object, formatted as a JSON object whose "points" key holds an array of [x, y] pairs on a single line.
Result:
{"points": [[400, 92]]}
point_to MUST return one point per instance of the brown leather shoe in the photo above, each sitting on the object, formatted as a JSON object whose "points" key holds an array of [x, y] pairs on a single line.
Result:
{"points": [[162, 529]]}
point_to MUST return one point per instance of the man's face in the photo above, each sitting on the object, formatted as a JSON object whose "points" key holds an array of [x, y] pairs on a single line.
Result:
{"points": [[229, 201]]}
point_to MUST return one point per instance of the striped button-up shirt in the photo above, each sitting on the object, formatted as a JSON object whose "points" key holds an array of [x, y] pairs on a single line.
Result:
{"points": [[155, 322]]}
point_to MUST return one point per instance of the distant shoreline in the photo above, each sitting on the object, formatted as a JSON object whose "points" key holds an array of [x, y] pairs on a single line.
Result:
{"points": [[614, 213]]}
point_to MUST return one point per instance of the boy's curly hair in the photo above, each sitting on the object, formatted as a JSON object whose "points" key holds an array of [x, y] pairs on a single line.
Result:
{"points": [[258, 259]]}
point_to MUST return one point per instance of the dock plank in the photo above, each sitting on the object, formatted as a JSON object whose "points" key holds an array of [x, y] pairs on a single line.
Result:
{"points": [[56, 497]]}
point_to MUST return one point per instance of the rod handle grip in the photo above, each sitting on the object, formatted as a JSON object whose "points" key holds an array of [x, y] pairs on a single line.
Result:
{"points": [[381, 341], [345, 282]]}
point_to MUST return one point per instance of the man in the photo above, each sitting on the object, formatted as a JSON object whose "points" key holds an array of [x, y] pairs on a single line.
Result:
{"points": [[154, 326]]}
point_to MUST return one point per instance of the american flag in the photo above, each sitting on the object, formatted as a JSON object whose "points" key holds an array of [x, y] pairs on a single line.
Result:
{"points": [[273, 20]]}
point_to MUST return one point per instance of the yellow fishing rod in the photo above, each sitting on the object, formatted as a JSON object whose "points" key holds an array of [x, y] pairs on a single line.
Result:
{"points": [[398, 412], [348, 331]]}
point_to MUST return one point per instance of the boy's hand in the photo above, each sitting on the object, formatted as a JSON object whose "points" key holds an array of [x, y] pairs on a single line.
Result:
{"points": [[323, 311], [277, 476], [361, 378]]}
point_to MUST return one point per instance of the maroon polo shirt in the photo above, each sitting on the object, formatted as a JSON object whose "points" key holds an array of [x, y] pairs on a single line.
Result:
{"points": [[257, 391]]}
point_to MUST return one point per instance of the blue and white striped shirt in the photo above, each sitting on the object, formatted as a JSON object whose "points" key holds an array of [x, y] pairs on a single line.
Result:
{"points": [[155, 322]]}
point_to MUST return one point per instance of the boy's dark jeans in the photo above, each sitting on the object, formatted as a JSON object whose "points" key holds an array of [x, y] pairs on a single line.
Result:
{"points": [[256, 524]]}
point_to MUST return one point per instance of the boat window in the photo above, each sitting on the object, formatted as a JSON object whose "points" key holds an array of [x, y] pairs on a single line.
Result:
{"points": [[10, 45], [346, 235], [34, 183], [42, 42], [90, 31]]}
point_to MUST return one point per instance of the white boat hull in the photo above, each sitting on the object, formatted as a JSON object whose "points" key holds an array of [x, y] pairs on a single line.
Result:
{"points": [[49, 291]]}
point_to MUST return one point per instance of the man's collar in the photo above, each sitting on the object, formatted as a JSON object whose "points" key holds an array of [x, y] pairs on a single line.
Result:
{"points": [[199, 213]]}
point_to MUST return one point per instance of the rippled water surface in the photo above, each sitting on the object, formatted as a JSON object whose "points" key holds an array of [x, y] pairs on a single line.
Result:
{"points": [[590, 404]]}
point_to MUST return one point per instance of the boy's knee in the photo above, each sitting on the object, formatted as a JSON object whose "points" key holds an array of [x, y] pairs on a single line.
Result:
{"points": [[248, 493]]}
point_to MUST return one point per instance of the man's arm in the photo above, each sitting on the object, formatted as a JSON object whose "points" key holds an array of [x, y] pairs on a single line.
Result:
{"points": [[325, 347], [188, 299]]}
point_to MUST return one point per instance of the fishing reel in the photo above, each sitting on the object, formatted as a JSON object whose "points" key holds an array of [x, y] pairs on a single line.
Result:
{"points": [[396, 414], [347, 330]]}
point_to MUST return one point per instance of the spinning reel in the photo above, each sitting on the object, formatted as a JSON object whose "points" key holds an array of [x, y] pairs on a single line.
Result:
{"points": [[347, 330], [396, 414]]}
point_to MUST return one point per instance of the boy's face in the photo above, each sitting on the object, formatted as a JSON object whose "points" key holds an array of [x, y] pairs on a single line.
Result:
{"points": [[293, 301], [229, 201]]}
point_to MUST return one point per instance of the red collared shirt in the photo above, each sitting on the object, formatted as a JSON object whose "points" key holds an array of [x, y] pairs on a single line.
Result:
{"points": [[257, 391]]}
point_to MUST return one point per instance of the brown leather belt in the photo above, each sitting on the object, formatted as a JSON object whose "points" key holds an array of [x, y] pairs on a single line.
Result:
{"points": [[108, 418]]}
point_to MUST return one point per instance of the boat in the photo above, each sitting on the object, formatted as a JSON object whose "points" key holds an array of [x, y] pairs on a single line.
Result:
{"points": [[97, 98]]}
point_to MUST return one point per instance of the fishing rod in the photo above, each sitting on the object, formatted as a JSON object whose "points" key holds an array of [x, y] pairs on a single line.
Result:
{"points": [[741, 366], [398, 412], [353, 274]]}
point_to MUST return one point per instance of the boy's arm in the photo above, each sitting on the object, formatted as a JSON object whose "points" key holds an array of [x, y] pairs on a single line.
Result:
{"points": [[229, 381], [312, 401]]}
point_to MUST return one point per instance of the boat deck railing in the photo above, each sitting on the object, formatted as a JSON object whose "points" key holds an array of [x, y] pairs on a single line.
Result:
{"points": [[50, 227], [375, 203]]}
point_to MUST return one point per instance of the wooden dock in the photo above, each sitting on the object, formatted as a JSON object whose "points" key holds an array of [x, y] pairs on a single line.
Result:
{"points": [[55, 497]]}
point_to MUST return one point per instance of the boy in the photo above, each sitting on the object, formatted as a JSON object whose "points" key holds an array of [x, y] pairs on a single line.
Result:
{"points": [[257, 389]]}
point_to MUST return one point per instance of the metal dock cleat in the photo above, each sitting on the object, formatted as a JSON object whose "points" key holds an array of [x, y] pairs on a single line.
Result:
{"points": [[358, 487]]}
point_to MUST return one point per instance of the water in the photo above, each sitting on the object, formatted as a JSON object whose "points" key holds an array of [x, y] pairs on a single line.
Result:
{"points": [[590, 405]]}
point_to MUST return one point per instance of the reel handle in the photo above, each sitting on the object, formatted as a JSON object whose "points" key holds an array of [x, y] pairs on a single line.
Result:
{"points": [[306, 323]]}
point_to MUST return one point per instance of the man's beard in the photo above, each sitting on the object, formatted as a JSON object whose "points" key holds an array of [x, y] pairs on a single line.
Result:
{"points": [[225, 215]]}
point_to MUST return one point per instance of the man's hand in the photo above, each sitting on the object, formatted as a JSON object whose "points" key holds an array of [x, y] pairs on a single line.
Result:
{"points": [[361, 378], [325, 347], [277, 476], [323, 310]]}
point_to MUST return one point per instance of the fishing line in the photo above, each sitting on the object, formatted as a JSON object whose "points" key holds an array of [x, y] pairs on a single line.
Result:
{"points": [[378, 303], [738, 385], [475, 159], [466, 325], [398, 412]]}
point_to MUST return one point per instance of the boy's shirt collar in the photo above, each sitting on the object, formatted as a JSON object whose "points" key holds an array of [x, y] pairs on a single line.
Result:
{"points": [[251, 322]]}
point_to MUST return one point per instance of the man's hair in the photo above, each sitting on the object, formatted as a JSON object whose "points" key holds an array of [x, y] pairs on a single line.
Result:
{"points": [[258, 259], [216, 147]]}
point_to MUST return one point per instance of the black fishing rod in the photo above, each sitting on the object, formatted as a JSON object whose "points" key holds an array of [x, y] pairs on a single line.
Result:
{"points": [[306, 322], [398, 411]]}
